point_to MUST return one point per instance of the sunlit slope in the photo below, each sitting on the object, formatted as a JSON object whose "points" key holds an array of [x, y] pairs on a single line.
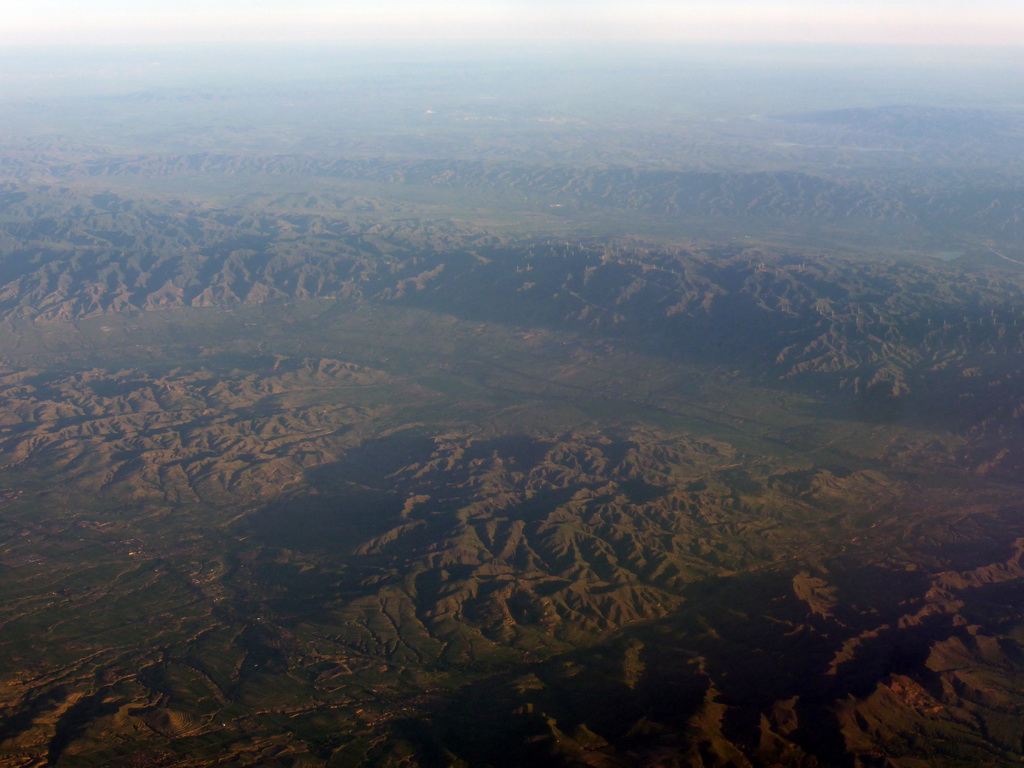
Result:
{"points": [[407, 493], [894, 338]]}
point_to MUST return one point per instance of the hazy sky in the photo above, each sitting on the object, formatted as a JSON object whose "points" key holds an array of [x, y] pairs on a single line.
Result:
{"points": [[995, 22]]}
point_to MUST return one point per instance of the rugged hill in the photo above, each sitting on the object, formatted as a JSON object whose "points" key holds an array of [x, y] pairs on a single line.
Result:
{"points": [[296, 489], [902, 199], [881, 331]]}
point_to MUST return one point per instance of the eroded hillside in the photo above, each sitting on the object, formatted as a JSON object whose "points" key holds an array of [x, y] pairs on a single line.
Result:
{"points": [[314, 459]]}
